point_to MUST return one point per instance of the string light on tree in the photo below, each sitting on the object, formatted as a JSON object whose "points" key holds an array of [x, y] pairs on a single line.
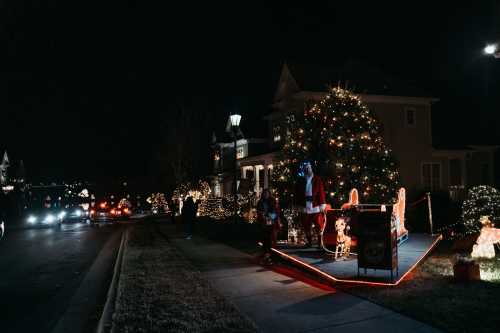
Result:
{"points": [[344, 140], [481, 201]]}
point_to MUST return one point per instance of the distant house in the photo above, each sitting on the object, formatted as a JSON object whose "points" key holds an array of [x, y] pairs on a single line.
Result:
{"points": [[403, 110]]}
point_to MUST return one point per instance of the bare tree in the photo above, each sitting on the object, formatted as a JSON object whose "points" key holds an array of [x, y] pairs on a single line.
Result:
{"points": [[182, 153]]}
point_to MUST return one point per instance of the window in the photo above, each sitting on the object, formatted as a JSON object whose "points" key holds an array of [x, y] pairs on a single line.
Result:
{"points": [[276, 133], [240, 152], [431, 176], [410, 117]]}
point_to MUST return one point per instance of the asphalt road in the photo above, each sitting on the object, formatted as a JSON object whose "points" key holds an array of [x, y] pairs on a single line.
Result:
{"points": [[44, 275]]}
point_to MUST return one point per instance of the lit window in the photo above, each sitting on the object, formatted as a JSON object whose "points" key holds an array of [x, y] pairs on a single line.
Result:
{"points": [[431, 176], [276, 133], [410, 117], [240, 152]]}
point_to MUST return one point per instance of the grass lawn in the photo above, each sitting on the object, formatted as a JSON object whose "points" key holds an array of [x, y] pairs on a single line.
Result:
{"points": [[431, 295], [160, 291]]}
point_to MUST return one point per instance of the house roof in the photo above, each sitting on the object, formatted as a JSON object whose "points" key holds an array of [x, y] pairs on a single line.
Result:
{"points": [[354, 75]]}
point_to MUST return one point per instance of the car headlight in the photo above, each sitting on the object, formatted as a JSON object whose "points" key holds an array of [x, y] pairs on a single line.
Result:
{"points": [[50, 218], [61, 215], [78, 212], [31, 219]]}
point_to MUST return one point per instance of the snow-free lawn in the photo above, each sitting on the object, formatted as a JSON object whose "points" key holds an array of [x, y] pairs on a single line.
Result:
{"points": [[160, 291]]}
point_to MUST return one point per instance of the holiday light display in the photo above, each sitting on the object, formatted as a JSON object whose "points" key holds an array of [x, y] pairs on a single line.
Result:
{"points": [[216, 208], [481, 201], [124, 202], [343, 139], [295, 232], [489, 236], [158, 203]]}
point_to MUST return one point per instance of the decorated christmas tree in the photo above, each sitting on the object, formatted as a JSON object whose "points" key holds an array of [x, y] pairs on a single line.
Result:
{"points": [[481, 201], [343, 139]]}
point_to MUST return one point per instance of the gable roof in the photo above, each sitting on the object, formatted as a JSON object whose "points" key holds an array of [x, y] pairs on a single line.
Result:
{"points": [[354, 75]]}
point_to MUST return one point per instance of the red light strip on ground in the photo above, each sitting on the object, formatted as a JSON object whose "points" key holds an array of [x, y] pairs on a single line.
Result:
{"points": [[334, 279]]}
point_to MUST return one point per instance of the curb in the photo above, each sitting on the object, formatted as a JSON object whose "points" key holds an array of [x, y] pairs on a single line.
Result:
{"points": [[106, 321]]}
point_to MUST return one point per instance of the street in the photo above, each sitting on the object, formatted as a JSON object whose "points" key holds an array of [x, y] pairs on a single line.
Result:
{"points": [[42, 272]]}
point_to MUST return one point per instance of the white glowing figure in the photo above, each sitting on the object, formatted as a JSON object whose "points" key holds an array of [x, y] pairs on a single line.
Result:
{"points": [[489, 236]]}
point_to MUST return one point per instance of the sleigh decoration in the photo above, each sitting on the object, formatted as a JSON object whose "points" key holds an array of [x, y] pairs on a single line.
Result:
{"points": [[339, 234]]}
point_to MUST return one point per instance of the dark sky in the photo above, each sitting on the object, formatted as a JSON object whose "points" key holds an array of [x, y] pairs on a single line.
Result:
{"points": [[85, 88]]}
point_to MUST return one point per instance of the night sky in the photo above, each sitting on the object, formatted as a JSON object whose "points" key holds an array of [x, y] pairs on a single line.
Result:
{"points": [[89, 91]]}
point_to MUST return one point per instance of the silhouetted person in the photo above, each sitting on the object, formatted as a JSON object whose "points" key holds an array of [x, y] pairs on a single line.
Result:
{"points": [[189, 210], [268, 219], [4, 210]]}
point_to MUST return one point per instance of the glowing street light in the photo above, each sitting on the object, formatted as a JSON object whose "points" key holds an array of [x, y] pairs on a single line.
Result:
{"points": [[235, 120], [235, 123], [492, 49]]}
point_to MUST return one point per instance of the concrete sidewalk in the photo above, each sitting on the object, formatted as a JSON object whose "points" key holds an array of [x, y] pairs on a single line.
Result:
{"points": [[278, 303]]}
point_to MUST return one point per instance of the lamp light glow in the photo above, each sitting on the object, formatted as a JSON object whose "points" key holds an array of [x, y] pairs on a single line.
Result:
{"points": [[491, 49], [235, 119]]}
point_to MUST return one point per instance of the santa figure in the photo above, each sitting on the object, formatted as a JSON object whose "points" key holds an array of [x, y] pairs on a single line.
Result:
{"points": [[310, 199]]}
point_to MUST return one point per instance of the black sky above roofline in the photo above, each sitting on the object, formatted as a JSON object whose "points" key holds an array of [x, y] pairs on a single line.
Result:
{"points": [[98, 77]]}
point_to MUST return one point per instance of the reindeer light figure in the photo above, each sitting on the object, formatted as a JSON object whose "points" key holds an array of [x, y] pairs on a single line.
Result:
{"points": [[343, 247]]}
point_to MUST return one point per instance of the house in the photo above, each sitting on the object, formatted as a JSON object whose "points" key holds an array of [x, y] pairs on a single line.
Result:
{"points": [[403, 110]]}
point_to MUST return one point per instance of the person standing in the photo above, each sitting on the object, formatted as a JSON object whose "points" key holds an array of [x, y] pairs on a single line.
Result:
{"points": [[4, 211], [189, 210], [268, 219], [311, 201]]}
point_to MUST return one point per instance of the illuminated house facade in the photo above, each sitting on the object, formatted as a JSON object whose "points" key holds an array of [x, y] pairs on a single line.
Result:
{"points": [[403, 110]]}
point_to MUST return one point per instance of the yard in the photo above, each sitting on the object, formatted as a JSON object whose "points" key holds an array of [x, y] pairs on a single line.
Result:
{"points": [[431, 295], [160, 291]]}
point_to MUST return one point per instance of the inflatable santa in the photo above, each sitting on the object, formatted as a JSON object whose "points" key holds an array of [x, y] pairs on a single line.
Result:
{"points": [[310, 200]]}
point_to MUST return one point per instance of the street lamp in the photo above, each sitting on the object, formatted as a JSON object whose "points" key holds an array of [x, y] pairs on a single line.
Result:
{"points": [[492, 49], [235, 123]]}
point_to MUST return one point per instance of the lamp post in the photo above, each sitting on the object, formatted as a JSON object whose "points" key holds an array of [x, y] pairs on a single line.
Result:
{"points": [[235, 123]]}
